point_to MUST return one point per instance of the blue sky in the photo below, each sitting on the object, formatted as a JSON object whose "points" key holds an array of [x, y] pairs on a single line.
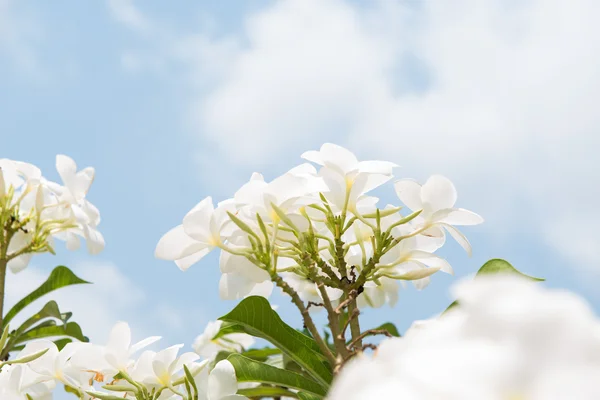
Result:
{"points": [[171, 102]]}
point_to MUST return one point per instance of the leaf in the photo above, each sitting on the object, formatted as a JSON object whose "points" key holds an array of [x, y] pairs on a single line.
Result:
{"points": [[266, 391], [496, 266], [60, 276], [247, 370], [391, 328], [258, 319], [261, 354], [307, 396], [499, 266], [71, 329]]}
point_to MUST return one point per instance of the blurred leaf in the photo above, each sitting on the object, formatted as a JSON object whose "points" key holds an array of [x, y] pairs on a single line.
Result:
{"points": [[266, 391], [391, 328], [60, 276], [499, 266]]}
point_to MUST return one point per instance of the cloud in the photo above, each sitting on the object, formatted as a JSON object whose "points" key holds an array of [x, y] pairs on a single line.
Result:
{"points": [[129, 15], [501, 96], [19, 35]]}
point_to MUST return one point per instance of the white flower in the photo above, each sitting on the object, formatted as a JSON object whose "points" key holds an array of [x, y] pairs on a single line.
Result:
{"points": [[508, 339], [201, 231], [56, 365], [74, 205], [207, 346], [347, 178], [220, 384], [436, 198], [115, 356], [160, 369]]}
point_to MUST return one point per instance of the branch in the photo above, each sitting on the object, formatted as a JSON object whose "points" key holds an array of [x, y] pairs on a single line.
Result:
{"points": [[371, 332]]}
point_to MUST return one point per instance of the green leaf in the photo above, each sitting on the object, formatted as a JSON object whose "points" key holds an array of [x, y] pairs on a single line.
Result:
{"points": [[258, 319], [307, 396], [71, 329], [391, 328], [247, 370], [499, 266], [261, 354], [496, 266], [60, 276], [266, 391]]}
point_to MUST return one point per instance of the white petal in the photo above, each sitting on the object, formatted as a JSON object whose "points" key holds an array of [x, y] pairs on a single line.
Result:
{"points": [[66, 168], [313, 156], [196, 223], [263, 289], [222, 381], [438, 193], [176, 244], [409, 192], [234, 286], [143, 343], [93, 239], [184, 359], [460, 216], [19, 263], [73, 243], [120, 337], [186, 262], [338, 158], [459, 237]]}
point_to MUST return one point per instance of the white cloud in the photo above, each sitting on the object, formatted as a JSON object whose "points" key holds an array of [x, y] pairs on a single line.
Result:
{"points": [[129, 15], [19, 34], [501, 96]]}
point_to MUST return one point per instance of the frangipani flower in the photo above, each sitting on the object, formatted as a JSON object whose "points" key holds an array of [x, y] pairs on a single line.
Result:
{"points": [[220, 384], [207, 346], [161, 369], [436, 198], [115, 356], [201, 231], [348, 179], [74, 205], [508, 339]]}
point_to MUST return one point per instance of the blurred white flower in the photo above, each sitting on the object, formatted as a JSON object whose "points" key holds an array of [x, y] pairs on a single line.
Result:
{"points": [[508, 339], [208, 345]]}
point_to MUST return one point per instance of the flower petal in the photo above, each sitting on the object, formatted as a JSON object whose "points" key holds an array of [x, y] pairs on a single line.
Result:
{"points": [[460, 216], [186, 262], [438, 193], [196, 222], [222, 381], [459, 237], [176, 244], [409, 192]]}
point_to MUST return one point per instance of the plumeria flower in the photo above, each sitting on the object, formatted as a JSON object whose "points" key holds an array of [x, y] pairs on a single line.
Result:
{"points": [[207, 346], [347, 178], [287, 192], [201, 231], [115, 356], [15, 385], [377, 294], [161, 369], [74, 205], [489, 347], [220, 384], [436, 198], [55, 365]]}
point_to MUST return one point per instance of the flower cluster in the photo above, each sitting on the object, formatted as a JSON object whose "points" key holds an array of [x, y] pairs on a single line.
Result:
{"points": [[508, 339], [34, 210], [311, 226], [115, 369]]}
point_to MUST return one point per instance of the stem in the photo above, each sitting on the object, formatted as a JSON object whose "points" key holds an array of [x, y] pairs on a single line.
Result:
{"points": [[310, 325], [370, 332], [354, 323], [334, 324]]}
